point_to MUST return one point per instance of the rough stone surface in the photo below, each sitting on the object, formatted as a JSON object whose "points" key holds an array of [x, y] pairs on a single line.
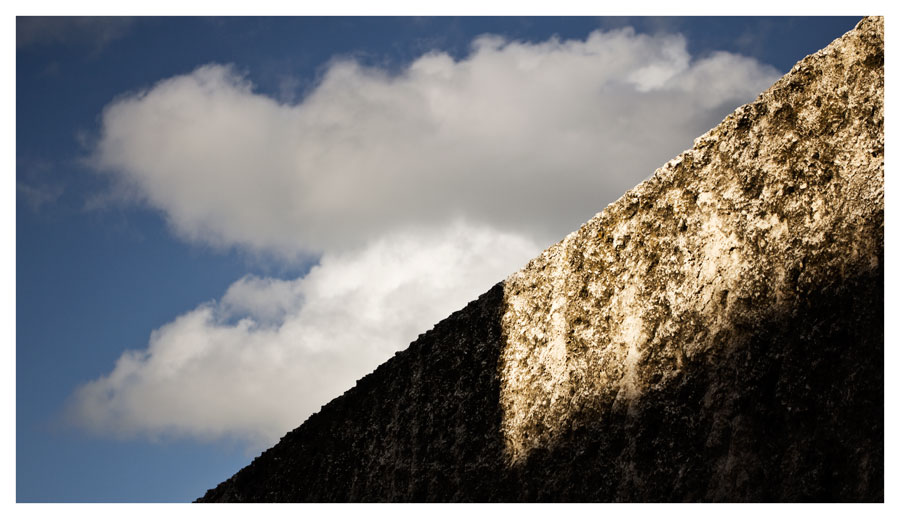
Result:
{"points": [[714, 335]]}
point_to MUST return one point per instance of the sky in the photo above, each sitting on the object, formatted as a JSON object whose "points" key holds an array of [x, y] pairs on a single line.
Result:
{"points": [[223, 223]]}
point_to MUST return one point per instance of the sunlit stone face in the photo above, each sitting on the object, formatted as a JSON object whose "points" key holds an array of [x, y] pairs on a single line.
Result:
{"points": [[726, 235]]}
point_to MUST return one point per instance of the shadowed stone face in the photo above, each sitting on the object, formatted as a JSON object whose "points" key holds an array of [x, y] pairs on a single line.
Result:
{"points": [[714, 335]]}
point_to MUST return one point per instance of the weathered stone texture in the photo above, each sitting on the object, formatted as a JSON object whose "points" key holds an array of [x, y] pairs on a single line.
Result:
{"points": [[424, 426], [715, 334]]}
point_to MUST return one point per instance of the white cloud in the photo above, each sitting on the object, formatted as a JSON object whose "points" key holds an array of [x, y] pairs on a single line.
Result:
{"points": [[532, 137], [522, 140], [256, 364], [265, 300]]}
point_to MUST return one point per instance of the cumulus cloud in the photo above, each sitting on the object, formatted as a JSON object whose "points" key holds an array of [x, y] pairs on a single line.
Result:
{"points": [[256, 363], [524, 141], [531, 137]]}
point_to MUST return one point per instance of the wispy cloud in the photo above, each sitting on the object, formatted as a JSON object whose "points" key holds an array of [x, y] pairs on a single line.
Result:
{"points": [[36, 186], [36, 196], [92, 32]]}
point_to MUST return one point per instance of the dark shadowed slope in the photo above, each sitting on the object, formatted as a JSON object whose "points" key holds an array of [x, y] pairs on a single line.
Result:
{"points": [[714, 335]]}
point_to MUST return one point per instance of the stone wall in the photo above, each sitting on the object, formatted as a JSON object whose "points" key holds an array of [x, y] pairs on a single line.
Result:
{"points": [[716, 334]]}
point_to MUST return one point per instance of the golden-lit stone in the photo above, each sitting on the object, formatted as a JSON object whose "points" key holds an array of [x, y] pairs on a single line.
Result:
{"points": [[792, 182]]}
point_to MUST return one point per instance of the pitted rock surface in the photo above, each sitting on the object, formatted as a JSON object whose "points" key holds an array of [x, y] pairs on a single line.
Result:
{"points": [[716, 334], [786, 192]]}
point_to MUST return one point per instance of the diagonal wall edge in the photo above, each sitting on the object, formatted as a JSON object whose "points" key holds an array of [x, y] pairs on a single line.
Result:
{"points": [[715, 334]]}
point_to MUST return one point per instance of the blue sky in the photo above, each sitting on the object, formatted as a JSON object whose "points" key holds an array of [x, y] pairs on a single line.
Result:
{"points": [[177, 178]]}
